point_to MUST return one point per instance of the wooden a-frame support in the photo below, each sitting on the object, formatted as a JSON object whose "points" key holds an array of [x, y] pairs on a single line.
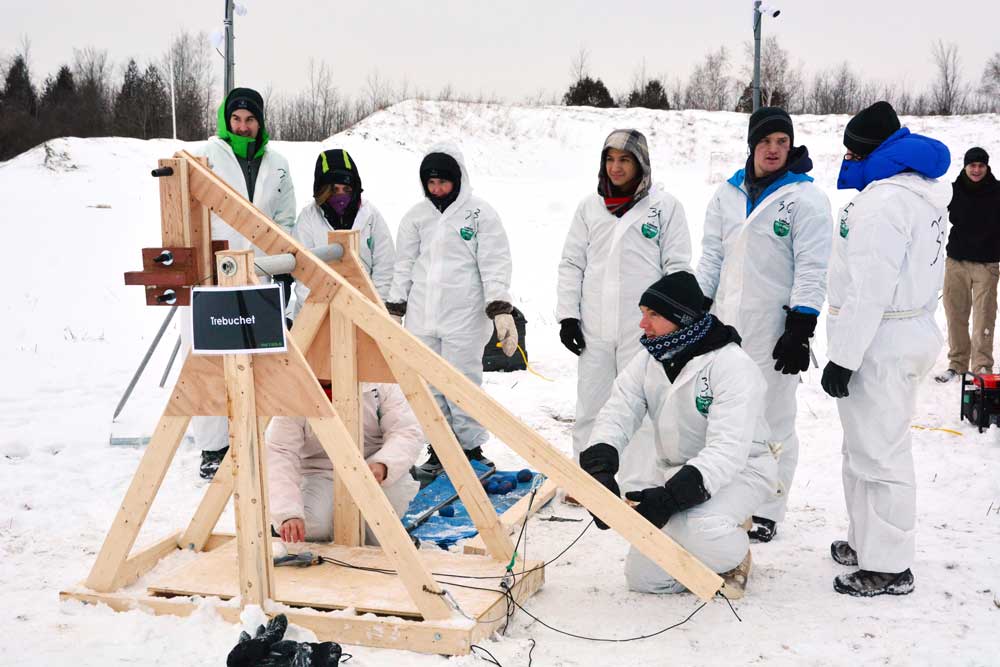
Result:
{"points": [[362, 343]]}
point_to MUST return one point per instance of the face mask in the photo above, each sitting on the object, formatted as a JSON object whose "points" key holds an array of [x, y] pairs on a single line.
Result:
{"points": [[339, 203], [852, 175]]}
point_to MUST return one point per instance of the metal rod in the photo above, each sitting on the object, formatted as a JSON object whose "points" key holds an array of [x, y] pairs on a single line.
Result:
{"points": [[170, 362], [145, 360], [270, 265], [756, 54], [430, 511], [230, 76]]}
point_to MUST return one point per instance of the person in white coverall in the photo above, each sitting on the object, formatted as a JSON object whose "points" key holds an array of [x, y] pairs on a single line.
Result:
{"points": [[886, 271], [300, 474], [764, 258], [624, 236], [452, 281], [240, 155], [704, 395], [337, 205]]}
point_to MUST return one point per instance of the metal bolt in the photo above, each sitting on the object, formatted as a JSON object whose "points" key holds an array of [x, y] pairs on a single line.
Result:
{"points": [[437, 636], [228, 266]]}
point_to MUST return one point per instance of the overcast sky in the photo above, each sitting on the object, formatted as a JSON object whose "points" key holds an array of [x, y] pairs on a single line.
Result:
{"points": [[511, 49]]}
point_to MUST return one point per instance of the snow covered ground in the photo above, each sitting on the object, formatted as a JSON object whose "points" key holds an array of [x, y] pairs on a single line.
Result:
{"points": [[74, 214]]}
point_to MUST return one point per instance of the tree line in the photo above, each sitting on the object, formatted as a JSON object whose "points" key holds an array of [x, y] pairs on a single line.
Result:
{"points": [[91, 97]]}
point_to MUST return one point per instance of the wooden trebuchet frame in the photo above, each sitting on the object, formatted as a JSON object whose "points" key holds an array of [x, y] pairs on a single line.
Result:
{"points": [[403, 349]]}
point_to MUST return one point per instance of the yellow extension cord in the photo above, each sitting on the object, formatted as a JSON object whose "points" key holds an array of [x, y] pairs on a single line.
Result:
{"points": [[527, 365]]}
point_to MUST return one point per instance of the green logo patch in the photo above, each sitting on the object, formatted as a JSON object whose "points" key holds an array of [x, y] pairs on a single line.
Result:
{"points": [[371, 243], [703, 403], [781, 227], [467, 233], [844, 229], [650, 230]]}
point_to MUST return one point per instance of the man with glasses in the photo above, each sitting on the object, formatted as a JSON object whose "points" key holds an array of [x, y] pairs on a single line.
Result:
{"points": [[885, 273], [764, 255]]}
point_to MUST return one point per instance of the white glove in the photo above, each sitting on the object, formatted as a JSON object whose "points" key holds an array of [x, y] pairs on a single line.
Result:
{"points": [[506, 333]]}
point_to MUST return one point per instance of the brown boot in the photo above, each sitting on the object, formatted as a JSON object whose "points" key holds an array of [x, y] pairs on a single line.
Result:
{"points": [[734, 582]]}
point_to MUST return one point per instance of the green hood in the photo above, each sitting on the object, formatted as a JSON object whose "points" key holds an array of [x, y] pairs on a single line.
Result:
{"points": [[236, 142]]}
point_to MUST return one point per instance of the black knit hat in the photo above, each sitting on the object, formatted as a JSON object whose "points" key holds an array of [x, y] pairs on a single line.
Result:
{"points": [[677, 297], [867, 130], [766, 120], [440, 165], [245, 98], [976, 154], [335, 166]]}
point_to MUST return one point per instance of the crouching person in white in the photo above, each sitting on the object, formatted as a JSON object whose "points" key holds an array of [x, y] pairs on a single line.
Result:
{"points": [[704, 396], [300, 474]]}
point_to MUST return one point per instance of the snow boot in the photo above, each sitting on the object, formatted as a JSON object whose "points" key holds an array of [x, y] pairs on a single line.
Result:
{"points": [[865, 583], [734, 582], [947, 376], [427, 472], [210, 462], [764, 529], [843, 553]]}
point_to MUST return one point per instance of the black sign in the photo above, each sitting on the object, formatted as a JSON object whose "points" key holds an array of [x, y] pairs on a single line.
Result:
{"points": [[238, 320]]}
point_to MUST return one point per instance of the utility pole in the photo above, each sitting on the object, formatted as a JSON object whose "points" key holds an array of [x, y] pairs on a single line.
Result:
{"points": [[230, 81], [756, 54]]}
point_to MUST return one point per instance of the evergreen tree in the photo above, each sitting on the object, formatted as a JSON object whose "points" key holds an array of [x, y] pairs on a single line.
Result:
{"points": [[56, 109], [127, 107], [652, 96], [155, 103], [587, 92], [19, 110]]}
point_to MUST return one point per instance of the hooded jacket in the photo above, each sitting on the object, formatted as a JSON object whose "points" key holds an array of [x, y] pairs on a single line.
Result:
{"points": [[974, 212]]}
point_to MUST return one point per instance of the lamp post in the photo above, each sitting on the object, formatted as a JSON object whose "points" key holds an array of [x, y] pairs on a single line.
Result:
{"points": [[759, 8], [229, 82]]}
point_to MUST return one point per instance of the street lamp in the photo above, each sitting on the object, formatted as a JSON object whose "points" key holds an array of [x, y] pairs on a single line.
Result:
{"points": [[759, 9]]}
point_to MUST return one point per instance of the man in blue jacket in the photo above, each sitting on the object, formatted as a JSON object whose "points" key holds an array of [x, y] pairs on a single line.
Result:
{"points": [[885, 274]]}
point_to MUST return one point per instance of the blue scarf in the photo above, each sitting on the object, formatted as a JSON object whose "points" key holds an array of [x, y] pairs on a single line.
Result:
{"points": [[902, 151], [669, 345]]}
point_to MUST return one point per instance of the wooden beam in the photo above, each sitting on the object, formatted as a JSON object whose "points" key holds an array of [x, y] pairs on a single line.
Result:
{"points": [[201, 233], [144, 561], [174, 208], [515, 516], [350, 466], [138, 499], [450, 452], [644, 536], [348, 525], [258, 228], [212, 505], [253, 525]]}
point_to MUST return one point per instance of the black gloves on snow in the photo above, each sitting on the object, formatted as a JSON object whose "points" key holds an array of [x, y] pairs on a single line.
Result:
{"points": [[791, 353], [835, 379], [267, 649], [397, 309], [571, 335], [681, 492], [600, 461]]}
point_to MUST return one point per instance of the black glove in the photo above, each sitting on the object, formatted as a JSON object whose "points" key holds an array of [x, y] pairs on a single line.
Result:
{"points": [[791, 352], [706, 304], [682, 491], [571, 335], [302, 654], [600, 461], [249, 652], [494, 308], [397, 309], [835, 379]]}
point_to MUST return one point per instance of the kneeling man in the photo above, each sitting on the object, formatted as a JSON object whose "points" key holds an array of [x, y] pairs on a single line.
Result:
{"points": [[704, 395], [300, 474]]}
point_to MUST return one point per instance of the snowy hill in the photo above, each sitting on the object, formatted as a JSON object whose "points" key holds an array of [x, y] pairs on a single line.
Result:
{"points": [[75, 214]]}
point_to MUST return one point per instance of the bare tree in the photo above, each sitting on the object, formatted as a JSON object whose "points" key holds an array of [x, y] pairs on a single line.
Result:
{"points": [[578, 69], [92, 73], [948, 92], [780, 83], [188, 57], [710, 86], [989, 87]]}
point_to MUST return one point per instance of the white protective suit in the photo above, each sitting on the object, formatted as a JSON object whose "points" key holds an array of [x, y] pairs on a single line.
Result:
{"points": [[449, 266], [710, 417], [885, 274], [607, 263], [275, 197], [376, 248], [300, 474], [754, 264]]}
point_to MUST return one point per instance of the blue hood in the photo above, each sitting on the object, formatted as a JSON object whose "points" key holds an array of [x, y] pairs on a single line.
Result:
{"points": [[902, 151]]}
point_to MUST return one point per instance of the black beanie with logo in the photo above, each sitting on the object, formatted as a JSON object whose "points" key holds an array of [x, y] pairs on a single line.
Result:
{"points": [[766, 120], [336, 166], [245, 98], [870, 127], [677, 297]]}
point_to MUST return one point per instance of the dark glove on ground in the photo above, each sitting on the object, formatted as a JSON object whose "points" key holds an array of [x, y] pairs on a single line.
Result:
{"points": [[600, 461], [250, 651], [494, 308], [571, 335], [791, 353], [302, 654], [682, 491], [397, 309], [835, 379]]}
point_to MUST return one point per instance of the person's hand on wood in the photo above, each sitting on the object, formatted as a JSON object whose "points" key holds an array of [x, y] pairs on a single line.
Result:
{"points": [[293, 530]]}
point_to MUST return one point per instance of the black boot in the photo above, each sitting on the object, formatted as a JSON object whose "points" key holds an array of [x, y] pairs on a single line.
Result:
{"points": [[865, 583], [843, 553], [426, 472], [476, 454], [763, 530], [210, 462]]}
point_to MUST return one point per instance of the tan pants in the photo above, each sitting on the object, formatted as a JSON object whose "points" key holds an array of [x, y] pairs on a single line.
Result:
{"points": [[970, 286]]}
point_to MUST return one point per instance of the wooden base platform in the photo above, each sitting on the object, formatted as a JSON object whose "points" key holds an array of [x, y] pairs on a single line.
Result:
{"points": [[330, 599]]}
